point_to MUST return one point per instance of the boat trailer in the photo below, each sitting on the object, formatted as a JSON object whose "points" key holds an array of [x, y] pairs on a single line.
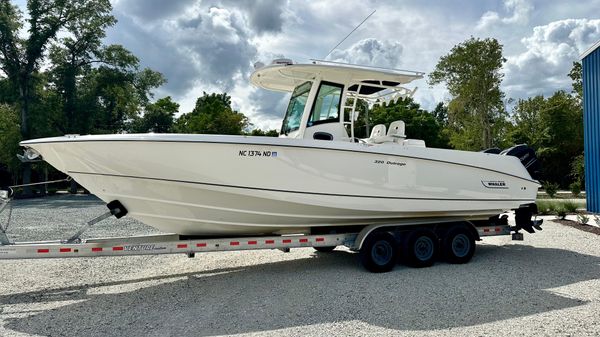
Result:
{"points": [[75, 246]]}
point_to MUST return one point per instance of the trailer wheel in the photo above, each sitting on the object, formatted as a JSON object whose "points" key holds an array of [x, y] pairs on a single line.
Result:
{"points": [[378, 253], [325, 249], [420, 248], [458, 245]]}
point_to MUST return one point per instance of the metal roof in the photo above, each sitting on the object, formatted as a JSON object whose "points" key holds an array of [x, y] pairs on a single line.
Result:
{"points": [[590, 50]]}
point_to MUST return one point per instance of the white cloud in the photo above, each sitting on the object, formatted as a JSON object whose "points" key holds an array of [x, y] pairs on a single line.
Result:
{"points": [[371, 52], [550, 53], [518, 10]]}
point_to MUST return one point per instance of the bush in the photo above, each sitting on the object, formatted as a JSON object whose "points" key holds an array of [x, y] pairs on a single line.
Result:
{"points": [[570, 207], [561, 211], [575, 188], [582, 218], [550, 188]]}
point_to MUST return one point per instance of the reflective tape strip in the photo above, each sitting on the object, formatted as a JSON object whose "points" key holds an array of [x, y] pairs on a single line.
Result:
{"points": [[494, 230], [43, 250], [234, 243], [252, 242], [287, 241], [201, 244], [117, 248], [270, 242], [182, 245], [320, 239], [96, 249], [303, 240], [65, 250]]}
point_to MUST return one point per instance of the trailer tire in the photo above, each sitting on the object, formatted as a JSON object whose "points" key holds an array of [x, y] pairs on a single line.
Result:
{"points": [[458, 245], [420, 248], [325, 249], [379, 252]]}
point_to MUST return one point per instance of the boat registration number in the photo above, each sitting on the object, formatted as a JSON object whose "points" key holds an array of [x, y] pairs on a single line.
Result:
{"points": [[256, 153]]}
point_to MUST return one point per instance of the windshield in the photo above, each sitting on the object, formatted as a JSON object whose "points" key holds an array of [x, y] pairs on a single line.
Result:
{"points": [[293, 115]]}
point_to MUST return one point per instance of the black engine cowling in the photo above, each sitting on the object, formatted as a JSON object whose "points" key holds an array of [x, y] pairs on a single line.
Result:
{"points": [[527, 157]]}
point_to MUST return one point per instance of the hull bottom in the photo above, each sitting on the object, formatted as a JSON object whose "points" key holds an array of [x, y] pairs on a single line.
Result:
{"points": [[201, 210]]}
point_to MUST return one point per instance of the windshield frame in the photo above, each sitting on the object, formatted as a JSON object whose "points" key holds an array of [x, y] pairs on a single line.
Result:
{"points": [[300, 90], [314, 105]]}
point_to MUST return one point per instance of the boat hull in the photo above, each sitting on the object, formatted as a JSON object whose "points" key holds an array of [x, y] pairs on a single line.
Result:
{"points": [[226, 185]]}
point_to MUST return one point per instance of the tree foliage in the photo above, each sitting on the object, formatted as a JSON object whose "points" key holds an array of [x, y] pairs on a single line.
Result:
{"points": [[212, 115], [420, 124], [554, 128], [158, 117], [10, 136], [268, 133], [472, 74], [576, 76]]}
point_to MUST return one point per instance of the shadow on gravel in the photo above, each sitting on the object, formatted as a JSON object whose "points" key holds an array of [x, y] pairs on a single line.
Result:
{"points": [[68, 201], [502, 282]]}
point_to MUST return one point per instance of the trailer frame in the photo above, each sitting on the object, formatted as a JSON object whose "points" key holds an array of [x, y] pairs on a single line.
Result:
{"points": [[161, 244]]}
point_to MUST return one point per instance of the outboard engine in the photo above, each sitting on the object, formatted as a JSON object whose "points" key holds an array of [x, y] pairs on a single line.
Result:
{"points": [[527, 157], [492, 150]]}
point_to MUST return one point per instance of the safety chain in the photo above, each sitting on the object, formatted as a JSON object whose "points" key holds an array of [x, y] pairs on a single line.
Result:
{"points": [[5, 204]]}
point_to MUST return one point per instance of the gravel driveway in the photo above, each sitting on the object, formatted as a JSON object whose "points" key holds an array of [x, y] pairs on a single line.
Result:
{"points": [[548, 284]]}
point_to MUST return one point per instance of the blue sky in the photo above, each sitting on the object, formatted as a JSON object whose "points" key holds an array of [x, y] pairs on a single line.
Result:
{"points": [[211, 45]]}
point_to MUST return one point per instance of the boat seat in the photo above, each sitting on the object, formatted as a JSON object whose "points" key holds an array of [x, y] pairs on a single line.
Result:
{"points": [[378, 131], [378, 135], [397, 129]]}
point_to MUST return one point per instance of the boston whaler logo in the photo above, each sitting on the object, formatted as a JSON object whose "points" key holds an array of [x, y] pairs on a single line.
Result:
{"points": [[494, 184]]}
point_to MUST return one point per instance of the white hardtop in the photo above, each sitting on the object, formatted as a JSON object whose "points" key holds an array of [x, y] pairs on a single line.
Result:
{"points": [[286, 76]]}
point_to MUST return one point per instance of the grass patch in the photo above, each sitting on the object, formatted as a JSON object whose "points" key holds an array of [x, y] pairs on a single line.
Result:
{"points": [[557, 207], [546, 207]]}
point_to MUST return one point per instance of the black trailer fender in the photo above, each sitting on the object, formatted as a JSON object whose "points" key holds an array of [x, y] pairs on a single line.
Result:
{"points": [[365, 232]]}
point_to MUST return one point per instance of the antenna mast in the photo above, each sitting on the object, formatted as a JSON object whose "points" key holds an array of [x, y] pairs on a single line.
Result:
{"points": [[355, 28]]}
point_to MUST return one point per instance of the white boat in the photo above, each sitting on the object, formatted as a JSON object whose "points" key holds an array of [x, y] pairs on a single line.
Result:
{"points": [[316, 174]]}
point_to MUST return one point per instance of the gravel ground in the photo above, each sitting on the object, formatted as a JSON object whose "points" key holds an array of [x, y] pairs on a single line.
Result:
{"points": [[547, 285]]}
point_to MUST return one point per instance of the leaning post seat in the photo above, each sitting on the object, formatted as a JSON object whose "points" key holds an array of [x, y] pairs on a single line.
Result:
{"points": [[397, 130], [377, 131]]}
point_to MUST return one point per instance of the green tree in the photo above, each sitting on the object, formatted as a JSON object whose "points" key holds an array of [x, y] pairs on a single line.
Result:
{"points": [[22, 54], [529, 127], [440, 113], [420, 124], [577, 76], [72, 56], [212, 115], [20, 57], [158, 117], [109, 98], [10, 136], [472, 74], [268, 133], [554, 128]]}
